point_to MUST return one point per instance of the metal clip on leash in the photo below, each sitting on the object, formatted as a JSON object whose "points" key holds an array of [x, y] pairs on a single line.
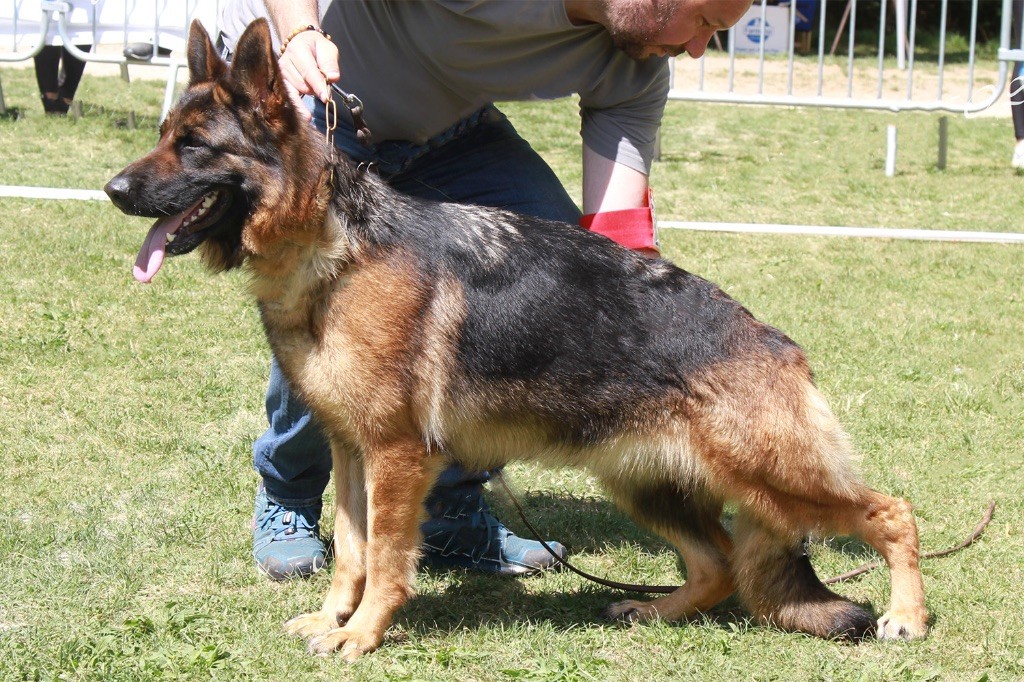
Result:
{"points": [[355, 108], [330, 123]]}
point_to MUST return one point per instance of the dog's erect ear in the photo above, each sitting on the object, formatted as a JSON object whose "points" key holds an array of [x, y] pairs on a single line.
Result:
{"points": [[254, 67], [204, 64]]}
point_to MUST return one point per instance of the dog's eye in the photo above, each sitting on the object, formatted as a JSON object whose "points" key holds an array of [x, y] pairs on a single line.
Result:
{"points": [[190, 141]]}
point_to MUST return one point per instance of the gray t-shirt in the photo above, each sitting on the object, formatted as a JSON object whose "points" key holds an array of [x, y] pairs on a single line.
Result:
{"points": [[420, 66], [235, 15]]}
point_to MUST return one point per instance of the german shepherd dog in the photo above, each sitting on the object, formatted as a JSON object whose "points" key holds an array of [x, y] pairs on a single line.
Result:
{"points": [[421, 333]]}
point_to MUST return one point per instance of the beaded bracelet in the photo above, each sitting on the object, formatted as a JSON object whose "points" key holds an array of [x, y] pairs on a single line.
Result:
{"points": [[302, 29]]}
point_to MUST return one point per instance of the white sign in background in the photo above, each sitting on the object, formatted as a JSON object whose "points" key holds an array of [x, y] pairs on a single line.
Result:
{"points": [[775, 33]]}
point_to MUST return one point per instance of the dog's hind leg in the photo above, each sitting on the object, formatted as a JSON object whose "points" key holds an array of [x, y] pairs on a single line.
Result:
{"points": [[774, 447], [349, 576], [690, 521], [778, 585], [799, 482], [398, 476], [887, 524]]}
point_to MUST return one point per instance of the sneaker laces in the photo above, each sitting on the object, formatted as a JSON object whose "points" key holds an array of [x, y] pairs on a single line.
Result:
{"points": [[288, 523], [475, 526]]}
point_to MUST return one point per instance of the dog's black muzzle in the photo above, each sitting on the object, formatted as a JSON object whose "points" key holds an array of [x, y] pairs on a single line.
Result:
{"points": [[123, 194]]}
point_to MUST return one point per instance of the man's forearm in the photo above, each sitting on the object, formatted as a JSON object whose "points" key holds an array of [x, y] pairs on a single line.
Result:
{"points": [[287, 15], [309, 60], [610, 186], [616, 203]]}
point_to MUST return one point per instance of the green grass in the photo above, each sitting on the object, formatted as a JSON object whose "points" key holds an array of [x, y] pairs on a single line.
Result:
{"points": [[127, 414]]}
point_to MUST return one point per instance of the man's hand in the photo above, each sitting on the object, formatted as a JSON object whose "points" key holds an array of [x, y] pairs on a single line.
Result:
{"points": [[308, 65], [309, 60]]}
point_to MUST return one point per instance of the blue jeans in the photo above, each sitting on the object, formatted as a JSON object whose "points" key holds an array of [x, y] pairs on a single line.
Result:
{"points": [[479, 160]]}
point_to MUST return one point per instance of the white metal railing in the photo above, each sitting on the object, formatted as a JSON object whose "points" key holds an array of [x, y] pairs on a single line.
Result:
{"points": [[27, 25], [864, 80], [789, 79]]}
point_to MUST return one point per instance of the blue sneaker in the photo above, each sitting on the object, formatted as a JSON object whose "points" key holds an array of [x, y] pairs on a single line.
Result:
{"points": [[286, 541], [463, 533]]}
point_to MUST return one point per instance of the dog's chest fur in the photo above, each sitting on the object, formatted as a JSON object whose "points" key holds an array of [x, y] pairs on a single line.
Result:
{"points": [[345, 335]]}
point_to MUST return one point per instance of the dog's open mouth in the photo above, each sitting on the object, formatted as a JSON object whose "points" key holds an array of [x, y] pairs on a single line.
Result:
{"points": [[179, 234]]}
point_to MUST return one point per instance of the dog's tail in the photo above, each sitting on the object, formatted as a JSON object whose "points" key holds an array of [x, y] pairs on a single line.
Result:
{"points": [[777, 584]]}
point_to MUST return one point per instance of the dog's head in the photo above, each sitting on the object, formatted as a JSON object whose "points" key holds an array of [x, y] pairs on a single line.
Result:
{"points": [[231, 162]]}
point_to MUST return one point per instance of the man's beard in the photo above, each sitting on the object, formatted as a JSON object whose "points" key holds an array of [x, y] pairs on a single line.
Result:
{"points": [[633, 28]]}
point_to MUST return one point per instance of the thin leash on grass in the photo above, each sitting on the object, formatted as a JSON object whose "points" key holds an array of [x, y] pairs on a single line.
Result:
{"points": [[666, 589], [978, 530]]}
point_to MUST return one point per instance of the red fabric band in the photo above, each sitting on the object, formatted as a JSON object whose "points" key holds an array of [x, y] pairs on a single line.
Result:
{"points": [[633, 228]]}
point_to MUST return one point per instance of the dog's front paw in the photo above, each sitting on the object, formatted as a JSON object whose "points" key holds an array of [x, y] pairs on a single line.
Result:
{"points": [[631, 611], [351, 642], [905, 625], [312, 624]]}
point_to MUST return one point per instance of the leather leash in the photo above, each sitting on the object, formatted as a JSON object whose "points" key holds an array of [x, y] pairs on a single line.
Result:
{"points": [[355, 108], [978, 530], [665, 589], [626, 587]]}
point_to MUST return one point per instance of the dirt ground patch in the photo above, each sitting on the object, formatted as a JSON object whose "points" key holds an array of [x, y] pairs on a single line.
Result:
{"points": [[956, 86]]}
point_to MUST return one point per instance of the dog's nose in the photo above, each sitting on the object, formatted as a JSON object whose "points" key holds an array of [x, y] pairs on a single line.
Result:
{"points": [[119, 190]]}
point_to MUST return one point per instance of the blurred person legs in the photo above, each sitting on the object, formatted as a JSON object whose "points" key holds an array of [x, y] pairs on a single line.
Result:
{"points": [[1017, 110], [58, 74], [1017, 88]]}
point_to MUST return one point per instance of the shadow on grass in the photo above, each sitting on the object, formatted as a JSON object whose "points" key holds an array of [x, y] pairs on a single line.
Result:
{"points": [[118, 118], [121, 118], [591, 524], [586, 525], [847, 546], [477, 601], [583, 524]]}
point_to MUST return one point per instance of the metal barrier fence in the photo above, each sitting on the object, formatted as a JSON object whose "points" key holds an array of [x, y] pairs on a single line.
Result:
{"points": [[762, 64], [27, 25]]}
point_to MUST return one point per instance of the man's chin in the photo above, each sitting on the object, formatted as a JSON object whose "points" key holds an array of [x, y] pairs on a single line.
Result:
{"points": [[635, 50]]}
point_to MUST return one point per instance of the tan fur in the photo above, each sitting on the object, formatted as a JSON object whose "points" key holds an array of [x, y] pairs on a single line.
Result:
{"points": [[431, 384], [768, 426]]}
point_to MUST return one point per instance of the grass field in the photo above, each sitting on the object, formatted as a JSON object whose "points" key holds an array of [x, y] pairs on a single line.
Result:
{"points": [[127, 413]]}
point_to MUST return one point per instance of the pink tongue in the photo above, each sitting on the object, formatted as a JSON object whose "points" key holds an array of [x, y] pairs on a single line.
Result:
{"points": [[151, 255]]}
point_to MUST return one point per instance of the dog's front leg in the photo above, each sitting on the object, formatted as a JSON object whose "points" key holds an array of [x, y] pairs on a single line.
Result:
{"points": [[398, 477], [349, 548]]}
